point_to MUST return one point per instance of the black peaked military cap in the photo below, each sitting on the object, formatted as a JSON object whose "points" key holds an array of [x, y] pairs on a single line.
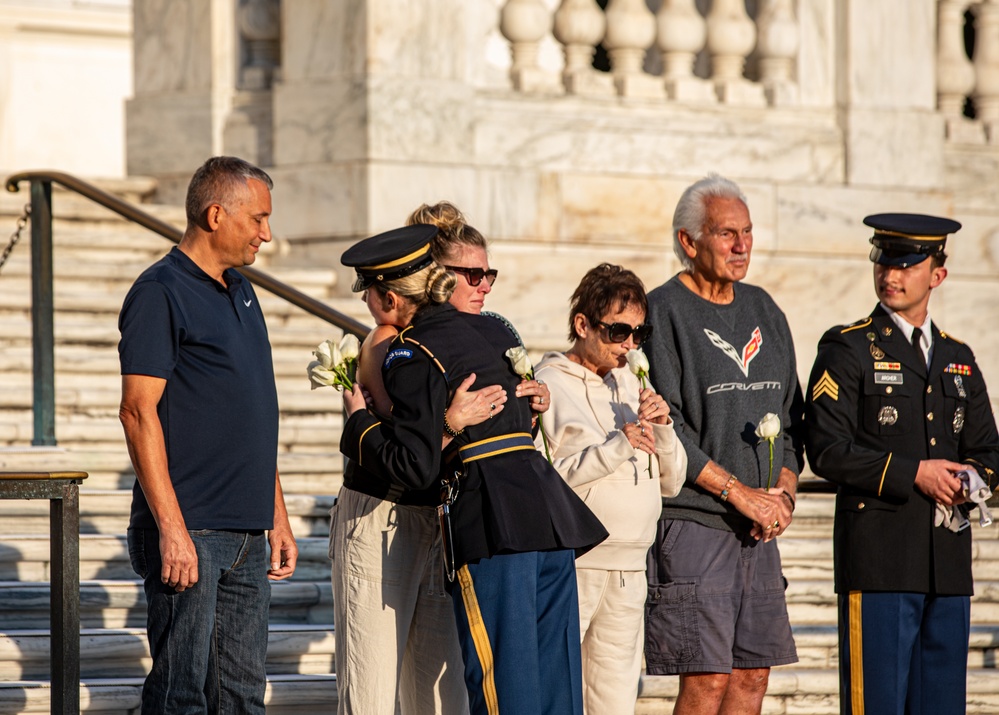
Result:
{"points": [[390, 255], [903, 240]]}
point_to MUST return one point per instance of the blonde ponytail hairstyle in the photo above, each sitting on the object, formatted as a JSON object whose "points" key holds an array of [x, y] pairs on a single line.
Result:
{"points": [[453, 230]]}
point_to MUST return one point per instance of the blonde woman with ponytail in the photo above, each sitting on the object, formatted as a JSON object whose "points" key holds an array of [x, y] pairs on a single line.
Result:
{"points": [[511, 525], [396, 644]]}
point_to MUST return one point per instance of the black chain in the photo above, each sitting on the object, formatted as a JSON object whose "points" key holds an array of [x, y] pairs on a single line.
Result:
{"points": [[16, 236]]}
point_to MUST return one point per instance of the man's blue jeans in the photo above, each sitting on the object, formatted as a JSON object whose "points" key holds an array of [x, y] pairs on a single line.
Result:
{"points": [[209, 642]]}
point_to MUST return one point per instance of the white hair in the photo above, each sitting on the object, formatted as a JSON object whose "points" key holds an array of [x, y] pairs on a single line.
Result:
{"points": [[692, 210]]}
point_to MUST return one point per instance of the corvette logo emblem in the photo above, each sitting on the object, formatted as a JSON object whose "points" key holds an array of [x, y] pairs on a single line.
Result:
{"points": [[749, 351]]}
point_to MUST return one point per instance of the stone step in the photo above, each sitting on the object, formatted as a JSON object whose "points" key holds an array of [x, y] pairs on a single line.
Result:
{"points": [[301, 472], [790, 691], [124, 652], [78, 329], [302, 432], [101, 393], [71, 362], [121, 603], [286, 695], [796, 691], [102, 309], [107, 512], [25, 557], [814, 602], [818, 646]]}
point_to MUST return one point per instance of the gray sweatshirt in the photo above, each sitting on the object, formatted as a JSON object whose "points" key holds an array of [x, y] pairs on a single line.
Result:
{"points": [[722, 368]]}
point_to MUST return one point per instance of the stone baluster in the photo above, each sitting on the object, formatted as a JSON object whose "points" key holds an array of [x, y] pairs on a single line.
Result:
{"points": [[631, 30], [580, 26], [731, 37], [249, 127], [681, 34], [525, 23], [777, 50], [986, 63], [260, 28], [955, 73]]}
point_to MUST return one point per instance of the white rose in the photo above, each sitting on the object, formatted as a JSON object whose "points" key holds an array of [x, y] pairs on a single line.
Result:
{"points": [[320, 376], [520, 360], [328, 354], [638, 362], [769, 427], [350, 347]]}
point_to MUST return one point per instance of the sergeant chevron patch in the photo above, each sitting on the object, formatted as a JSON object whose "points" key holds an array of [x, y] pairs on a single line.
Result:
{"points": [[825, 386]]}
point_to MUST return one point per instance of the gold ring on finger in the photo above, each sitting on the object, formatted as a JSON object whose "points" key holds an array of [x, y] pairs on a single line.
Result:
{"points": [[776, 524]]}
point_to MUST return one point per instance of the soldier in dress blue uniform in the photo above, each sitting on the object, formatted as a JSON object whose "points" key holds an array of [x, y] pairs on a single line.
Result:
{"points": [[896, 409], [512, 525]]}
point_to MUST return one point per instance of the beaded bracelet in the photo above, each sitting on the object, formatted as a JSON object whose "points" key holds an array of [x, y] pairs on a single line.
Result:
{"points": [[449, 429], [790, 500], [728, 485]]}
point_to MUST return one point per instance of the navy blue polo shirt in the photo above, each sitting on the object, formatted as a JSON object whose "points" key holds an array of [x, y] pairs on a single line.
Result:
{"points": [[219, 410]]}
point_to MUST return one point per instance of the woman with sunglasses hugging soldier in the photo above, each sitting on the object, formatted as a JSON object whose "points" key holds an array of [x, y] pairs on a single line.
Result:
{"points": [[613, 442], [395, 637]]}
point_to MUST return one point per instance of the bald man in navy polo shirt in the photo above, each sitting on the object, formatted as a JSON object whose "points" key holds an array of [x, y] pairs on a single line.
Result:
{"points": [[199, 409]]}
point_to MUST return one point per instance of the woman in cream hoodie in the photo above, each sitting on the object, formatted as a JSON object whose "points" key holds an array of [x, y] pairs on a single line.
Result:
{"points": [[613, 442]]}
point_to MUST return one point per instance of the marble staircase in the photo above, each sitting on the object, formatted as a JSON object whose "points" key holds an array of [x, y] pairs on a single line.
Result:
{"points": [[96, 259]]}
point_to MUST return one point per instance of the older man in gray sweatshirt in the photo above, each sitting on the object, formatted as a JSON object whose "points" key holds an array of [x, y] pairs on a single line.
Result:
{"points": [[721, 354]]}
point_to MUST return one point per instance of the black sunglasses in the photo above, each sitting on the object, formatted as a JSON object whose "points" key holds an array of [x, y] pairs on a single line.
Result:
{"points": [[619, 332], [474, 276]]}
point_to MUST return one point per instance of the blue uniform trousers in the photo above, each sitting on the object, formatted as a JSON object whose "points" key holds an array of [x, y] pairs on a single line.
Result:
{"points": [[903, 653], [518, 623]]}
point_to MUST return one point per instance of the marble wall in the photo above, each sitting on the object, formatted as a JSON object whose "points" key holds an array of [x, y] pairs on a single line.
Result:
{"points": [[380, 105], [65, 71]]}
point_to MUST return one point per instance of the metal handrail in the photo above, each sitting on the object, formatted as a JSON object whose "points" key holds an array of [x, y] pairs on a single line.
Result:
{"points": [[43, 342]]}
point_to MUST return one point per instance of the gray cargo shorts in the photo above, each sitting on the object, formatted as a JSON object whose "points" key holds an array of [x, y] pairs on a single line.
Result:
{"points": [[716, 602]]}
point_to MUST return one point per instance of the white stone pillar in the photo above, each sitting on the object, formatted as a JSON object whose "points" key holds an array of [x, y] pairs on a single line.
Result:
{"points": [[580, 26], [894, 135], [373, 115], [955, 73], [185, 61], [731, 37], [777, 50], [986, 63], [525, 23], [249, 127], [681, 35], [631, 30]]}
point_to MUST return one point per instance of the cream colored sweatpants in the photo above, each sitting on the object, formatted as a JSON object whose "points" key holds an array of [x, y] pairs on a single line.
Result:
{"points": [[397, 648], [611, 629]]}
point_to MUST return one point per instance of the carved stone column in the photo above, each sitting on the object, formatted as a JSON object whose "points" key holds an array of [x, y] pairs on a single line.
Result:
{"points": [[681, 35], [185, 65], [731, 37], [955, 73], [777, 48], [986, 63], [249, 130], [524, 23], [631, 30], [580, 26]]}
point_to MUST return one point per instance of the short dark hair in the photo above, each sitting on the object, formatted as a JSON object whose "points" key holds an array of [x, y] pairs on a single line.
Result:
{"points": [[938, 259], [220, 180], [604, 288]]}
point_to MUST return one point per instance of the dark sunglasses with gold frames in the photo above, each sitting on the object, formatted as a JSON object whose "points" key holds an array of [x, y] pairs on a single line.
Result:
{"points": [[474, 276]]}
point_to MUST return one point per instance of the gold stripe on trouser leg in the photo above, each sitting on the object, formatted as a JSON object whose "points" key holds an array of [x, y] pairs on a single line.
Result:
{"points": [[480, 638], [856, 654]]}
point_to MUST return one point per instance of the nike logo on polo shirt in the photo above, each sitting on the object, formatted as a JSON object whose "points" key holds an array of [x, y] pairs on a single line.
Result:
{"points": [[247, 302]]}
